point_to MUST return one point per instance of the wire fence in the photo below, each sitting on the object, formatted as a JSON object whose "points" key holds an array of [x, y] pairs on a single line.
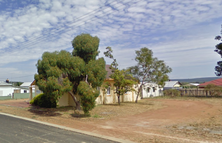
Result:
{"points": [[197, 92]]}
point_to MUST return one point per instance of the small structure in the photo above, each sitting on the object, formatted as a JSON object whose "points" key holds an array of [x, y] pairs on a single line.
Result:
{"points": [[151, 90], [6, 89], [25, 87], [172, 85]]}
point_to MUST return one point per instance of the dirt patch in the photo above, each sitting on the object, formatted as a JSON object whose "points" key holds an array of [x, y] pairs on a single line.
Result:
{"points": [[150, 120]]}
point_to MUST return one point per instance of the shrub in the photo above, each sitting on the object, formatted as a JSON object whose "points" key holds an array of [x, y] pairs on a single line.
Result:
{"points": [[171, 92], [42, 100]]}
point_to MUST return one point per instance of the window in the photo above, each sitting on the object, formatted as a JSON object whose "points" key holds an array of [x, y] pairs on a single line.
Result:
{"points": [[25, 91], [148, 89], [154, 89], [108, 90]]}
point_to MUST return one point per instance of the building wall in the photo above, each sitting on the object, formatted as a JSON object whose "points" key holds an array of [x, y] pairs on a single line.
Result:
{"points": [[24, 91], [6, 90], [67, 100], [151, 90], [177, 85], [64, 100], [37, 90], [21, 90], [112, 98], [103, 98]]}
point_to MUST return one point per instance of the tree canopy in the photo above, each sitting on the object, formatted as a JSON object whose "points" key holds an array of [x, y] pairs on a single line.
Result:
{"points": [[78, 73], [218, 68], [149, 68], [123, 81]]}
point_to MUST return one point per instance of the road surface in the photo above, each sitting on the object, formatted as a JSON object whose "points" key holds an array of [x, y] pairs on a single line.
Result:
{"points": [[14, 130]]}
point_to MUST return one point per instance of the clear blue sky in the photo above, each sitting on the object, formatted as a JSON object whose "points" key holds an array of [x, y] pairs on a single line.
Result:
{"points": [[179, 32]]}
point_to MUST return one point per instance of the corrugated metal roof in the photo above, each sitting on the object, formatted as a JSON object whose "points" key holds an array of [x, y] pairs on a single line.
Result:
{"points": [[3, 83], [26, 84], [151, 84], [217, 82], [170, 83]]}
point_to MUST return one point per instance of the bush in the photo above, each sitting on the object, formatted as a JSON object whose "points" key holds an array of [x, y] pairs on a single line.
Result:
{"points": [[42, 100], [171, 92]]}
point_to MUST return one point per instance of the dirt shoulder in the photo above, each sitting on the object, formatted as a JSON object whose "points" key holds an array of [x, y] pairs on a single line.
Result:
{"points": [[150, 120]]}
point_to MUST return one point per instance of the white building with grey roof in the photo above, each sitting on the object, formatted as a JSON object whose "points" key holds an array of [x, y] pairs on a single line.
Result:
{"points": [[6, 89], [172, 85]]}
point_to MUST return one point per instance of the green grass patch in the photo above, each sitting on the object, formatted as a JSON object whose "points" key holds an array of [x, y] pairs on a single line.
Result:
{"points": [[96, 116]]}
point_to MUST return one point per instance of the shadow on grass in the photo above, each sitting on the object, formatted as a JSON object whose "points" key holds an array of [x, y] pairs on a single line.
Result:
{"points": [[48, 111], [80, 115], [56, 111]]}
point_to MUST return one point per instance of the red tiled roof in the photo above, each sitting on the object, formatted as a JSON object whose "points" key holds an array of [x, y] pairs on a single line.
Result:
{"points": [[109, 71], [217, 82]]}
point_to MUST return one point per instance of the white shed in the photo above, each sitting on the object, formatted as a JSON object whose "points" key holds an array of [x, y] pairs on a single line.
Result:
{"points": [[6, 89], [25, 87], [151, 90], [172, 85]]}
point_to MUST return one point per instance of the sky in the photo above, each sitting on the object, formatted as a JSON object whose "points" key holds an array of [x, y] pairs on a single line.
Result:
{"points": [[179, 32]]}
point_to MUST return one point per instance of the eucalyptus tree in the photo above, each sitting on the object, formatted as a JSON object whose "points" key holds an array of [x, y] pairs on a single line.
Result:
{"points": [[218, 68], [149, 69], [78, 73]]}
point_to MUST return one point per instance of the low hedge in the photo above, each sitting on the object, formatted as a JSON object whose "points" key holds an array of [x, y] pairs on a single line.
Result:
{"points": [[42, 100]]}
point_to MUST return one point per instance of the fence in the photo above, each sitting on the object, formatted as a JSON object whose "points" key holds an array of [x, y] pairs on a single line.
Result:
{"points": [[5, 97], [200, 92], [15, 96], [21, 95]]}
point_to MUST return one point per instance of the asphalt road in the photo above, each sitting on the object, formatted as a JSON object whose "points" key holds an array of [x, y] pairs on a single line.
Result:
{"points": [[14, 130]]}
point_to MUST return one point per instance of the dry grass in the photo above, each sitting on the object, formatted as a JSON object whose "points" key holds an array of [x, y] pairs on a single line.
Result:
{"points": [[209, 121], [108, 111]]}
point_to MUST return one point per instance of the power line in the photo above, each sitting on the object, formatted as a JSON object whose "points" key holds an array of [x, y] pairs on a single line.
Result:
{"points": [[87, 14], [66, 29], [74, 25]]}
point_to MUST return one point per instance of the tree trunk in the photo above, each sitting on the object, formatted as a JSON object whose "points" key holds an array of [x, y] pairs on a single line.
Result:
{"points": [[73, 96], [119, 100], [138, 93], [75, 100]]}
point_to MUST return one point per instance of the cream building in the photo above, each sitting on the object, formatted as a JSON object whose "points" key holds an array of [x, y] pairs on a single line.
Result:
{"points": [[107, 96]]}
